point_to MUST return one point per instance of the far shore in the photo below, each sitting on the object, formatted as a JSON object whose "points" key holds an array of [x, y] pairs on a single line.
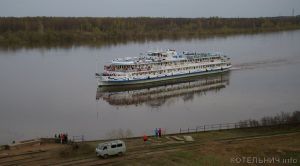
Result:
{"points": [[91, 31]]}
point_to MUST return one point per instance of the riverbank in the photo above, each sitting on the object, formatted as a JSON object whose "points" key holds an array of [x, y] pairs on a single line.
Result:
{"points": [[66, 31], [275, 145]]}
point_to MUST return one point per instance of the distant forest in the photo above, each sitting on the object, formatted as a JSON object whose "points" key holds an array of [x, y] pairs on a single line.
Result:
{"points": [[31, 31]]}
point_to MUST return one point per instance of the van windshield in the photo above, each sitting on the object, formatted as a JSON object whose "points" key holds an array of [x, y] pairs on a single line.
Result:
{"points": [[101, 146]]}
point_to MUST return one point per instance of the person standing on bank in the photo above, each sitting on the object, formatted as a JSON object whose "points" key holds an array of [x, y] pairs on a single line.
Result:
{"points": [[156, 132], [159, 132]]}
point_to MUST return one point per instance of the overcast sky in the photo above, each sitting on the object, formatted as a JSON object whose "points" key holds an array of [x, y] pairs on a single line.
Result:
{"points": [[152, 8]]}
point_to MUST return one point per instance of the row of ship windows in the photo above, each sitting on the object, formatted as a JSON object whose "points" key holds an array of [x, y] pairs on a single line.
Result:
{"points": [[170, 70], [149, 67], [168, 63]]}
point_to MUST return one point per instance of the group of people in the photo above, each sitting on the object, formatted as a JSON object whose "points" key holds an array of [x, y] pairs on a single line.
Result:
{"points": [[61, 138], [133, 68], [157, 132]]}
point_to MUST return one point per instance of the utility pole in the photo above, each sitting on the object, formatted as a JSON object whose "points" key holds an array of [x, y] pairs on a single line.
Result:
{"points": [[293, 12]]}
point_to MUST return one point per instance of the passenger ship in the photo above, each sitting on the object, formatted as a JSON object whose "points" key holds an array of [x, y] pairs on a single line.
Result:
{"points": [[160, 66]]}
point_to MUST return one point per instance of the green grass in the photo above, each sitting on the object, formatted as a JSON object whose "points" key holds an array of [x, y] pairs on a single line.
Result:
{"points": [[209, 148], [77, 150], [216, 148], [246, 132]]}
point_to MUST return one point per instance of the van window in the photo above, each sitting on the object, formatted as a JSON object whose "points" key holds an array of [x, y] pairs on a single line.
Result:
{"points": [[119, 145], [113, 146], [105, 147]]}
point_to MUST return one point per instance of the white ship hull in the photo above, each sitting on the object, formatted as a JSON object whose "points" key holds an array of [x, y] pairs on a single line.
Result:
{"points": [[161, 66], [158, 79]]}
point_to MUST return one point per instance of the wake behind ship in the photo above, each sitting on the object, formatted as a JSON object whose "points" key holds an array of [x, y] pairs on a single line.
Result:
{"points": [[160, 66]]}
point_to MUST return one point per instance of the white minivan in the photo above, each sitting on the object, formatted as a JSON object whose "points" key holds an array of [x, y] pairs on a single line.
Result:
{"points": [[110, 148]]}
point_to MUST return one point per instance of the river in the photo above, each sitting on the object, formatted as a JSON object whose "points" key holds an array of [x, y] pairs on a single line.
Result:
{"points": [[44, 91]]}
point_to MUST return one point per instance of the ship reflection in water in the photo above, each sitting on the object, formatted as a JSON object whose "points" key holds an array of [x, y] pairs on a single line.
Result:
{"points": [[156, 95]]}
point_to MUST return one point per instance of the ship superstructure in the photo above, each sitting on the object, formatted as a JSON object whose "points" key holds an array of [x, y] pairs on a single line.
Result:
{"points": [[161, 65]]}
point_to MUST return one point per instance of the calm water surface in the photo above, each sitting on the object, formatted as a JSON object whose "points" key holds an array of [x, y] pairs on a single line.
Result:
{"points": [[46, 91]]}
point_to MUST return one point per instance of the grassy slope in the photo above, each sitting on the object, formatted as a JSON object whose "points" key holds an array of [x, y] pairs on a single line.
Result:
{"points": [[209, 148], [218, 147]]}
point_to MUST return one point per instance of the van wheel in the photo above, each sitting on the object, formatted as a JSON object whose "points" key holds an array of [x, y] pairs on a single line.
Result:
{"points": [[120, 154], [105, 156]]}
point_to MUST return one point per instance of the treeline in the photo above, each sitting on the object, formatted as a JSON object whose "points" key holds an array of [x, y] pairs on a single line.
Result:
{"points": [[68, 30], [282, 118]]}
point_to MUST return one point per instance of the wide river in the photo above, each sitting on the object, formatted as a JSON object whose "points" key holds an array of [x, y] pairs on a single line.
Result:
{"points": [[44, 91]]}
